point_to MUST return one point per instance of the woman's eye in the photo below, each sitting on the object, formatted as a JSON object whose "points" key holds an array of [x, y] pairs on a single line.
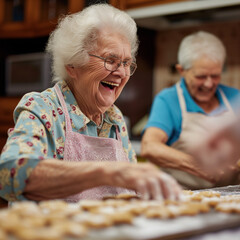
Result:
{"points": [[111, 60], [215, 76], [201, 77], [126, 63]]}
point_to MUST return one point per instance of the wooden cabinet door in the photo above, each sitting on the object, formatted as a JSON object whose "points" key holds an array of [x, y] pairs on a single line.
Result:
{"points": [[3, 203], [7, 106], [33, 18]]}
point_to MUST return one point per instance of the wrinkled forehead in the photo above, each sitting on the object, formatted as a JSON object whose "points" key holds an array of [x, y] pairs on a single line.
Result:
{"points": [[206, 62], [114, 44]]}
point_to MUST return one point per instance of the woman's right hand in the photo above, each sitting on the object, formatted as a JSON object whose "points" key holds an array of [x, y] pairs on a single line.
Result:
{"points": [[145, 178], [53, 179]]}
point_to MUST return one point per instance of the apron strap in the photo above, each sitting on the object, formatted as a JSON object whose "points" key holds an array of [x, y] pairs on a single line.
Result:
{"points": [[118, 134], [181, 98], [226, 102], [64, 106]]}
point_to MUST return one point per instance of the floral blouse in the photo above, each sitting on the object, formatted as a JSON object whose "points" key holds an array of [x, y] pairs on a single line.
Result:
{"points": [[39, 133]]}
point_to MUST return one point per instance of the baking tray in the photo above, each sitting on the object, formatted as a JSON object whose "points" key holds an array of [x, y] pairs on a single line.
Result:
{"points": [[172, 229], [231, 189], [181, 227]]}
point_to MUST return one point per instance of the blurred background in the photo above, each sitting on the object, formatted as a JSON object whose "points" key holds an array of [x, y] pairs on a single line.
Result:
{"points": [[25, 26]]}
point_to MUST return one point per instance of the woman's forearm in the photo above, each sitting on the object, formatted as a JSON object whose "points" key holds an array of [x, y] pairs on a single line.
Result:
{"points": [[53, 179]]}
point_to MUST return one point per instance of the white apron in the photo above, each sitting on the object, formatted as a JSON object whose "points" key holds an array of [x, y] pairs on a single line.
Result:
{"points": [[193, 127], [79, 147]]}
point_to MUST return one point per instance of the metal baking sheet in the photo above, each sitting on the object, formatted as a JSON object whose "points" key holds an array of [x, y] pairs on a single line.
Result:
{"points": [[178, 228], [169, 229], [231, 189]]}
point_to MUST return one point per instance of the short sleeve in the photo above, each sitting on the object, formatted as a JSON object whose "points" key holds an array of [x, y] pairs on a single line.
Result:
{"points": [[161, 116]]}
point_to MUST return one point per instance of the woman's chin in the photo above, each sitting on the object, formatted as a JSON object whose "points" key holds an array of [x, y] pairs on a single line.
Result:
{"points": [[105, 104], [107, 100]]}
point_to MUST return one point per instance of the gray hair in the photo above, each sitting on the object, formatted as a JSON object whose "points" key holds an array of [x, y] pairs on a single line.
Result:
{"points": [[77, 34], [198, 45]]}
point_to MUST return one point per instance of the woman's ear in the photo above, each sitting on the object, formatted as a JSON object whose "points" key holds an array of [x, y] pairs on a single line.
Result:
{"points": [[179, 68], [70, 70]]}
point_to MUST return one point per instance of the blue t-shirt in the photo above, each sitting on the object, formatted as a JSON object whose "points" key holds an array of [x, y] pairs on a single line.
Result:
{"points": [[166, 112]]}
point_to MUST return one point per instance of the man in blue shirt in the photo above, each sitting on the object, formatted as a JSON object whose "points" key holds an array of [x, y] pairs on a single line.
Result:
{"points": [[182, 114]]}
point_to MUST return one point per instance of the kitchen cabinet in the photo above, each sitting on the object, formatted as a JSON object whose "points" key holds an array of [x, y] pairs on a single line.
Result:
{"points": [[28, 18], [35, 18], [3, 203], [7, 106]]}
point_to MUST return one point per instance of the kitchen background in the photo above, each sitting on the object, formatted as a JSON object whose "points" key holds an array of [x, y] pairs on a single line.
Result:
{"points": [[25, 25]]}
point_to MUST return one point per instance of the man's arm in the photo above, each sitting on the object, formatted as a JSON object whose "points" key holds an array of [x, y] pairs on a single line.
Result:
{"points": [[154, 148]]}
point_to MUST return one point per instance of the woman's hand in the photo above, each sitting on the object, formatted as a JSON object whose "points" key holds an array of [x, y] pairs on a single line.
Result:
{"points": [[53, 179], [219, 152], [145, 178]]}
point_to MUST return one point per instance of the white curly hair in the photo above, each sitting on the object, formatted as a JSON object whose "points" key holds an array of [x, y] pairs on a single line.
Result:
{"points": [[77, 34]]}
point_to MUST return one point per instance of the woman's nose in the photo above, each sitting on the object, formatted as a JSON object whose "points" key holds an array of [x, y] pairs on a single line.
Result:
{"points": [[121, 71], [208, 82]]}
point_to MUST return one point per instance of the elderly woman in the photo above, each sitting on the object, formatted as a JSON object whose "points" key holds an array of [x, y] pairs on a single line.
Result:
{"points": [[71, 142], [182, 114]]}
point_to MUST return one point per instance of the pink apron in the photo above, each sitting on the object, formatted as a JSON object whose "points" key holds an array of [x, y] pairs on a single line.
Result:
{"points": [[79, 147], [194, 126]]}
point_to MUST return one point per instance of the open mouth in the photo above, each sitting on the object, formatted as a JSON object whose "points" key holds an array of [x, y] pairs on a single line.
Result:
{"points": [[206, 91], [110, 85]]}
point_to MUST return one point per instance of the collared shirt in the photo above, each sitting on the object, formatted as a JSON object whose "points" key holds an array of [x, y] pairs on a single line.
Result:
{"points": [[166, 112], [39, 133]]}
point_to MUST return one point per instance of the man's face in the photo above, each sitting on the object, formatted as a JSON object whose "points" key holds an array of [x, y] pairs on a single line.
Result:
{"points": [[202, 79]]}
